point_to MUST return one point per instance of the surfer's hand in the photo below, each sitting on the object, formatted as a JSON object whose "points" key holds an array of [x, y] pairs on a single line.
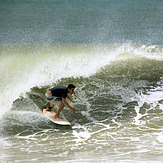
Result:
{"points": [[73, 101], [73, 110]]}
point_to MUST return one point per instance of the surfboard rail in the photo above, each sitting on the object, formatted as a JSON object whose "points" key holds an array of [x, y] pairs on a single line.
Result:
{"points": [[51, 116]]}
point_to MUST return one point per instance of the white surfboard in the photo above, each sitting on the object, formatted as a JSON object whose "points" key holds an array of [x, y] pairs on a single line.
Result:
{"points": [[50, 115]]}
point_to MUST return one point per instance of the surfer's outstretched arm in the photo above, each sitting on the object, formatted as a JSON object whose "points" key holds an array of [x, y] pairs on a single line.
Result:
{"points": [[63, 104], [67, 105], [71, 99]]}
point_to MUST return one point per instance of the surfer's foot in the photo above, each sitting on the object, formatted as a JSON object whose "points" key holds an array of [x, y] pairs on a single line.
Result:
{"points": [[48, 109], [57, 116]]}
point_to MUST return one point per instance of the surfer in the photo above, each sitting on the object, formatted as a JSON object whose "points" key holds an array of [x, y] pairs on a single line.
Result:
{"points": [[60, 93]]}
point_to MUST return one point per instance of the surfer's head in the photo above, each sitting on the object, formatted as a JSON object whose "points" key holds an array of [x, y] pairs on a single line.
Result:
{"points": [[71, 88]]}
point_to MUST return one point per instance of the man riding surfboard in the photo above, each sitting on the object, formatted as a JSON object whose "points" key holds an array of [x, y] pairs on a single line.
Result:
{"points": [[60, 93]]}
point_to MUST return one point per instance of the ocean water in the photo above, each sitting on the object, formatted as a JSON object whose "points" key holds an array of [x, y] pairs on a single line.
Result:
{"points": [[112, 51]]}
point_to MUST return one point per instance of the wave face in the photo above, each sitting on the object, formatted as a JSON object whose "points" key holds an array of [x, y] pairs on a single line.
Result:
{"points": [[119, 89]]}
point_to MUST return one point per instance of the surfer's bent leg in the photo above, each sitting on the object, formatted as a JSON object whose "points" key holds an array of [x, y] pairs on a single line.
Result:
{"points": [[59, 110], [49, 98]]}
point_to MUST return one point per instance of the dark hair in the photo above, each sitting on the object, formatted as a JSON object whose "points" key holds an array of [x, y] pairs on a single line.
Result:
{"points": [[71, 86]]}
